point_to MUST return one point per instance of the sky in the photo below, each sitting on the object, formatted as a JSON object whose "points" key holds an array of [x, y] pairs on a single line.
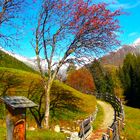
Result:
{"points": [[130, 25]]}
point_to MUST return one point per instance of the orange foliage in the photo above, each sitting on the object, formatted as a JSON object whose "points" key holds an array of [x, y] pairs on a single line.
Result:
{"points": [[81, 80]]}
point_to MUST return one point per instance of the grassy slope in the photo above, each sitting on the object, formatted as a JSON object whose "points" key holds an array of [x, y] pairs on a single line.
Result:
{"points": [[10, 62], [132, 121], [83, 105]]}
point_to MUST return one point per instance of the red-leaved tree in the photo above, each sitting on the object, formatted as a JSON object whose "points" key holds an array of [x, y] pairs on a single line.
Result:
{"points": [[72, 29], [81, 80]]}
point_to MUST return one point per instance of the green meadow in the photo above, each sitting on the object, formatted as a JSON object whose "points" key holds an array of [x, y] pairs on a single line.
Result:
{"points": [[132, 123]]}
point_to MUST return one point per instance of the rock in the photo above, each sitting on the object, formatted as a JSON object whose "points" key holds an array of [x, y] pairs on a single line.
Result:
{"points": [[66, 131], [74, 136], [57, 128], [31, 128], [68, 128]]}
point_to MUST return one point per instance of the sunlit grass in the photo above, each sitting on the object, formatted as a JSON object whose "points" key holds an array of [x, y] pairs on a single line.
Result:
{"points": [[2, 133], [132, 121], [45, 135], [37, 135]]}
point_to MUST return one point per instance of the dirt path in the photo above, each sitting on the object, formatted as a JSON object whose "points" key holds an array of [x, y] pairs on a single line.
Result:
{"points": [[108, 120]]}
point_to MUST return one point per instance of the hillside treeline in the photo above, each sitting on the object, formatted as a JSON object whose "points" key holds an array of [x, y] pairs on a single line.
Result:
{"points": [[123, 81], [129, 75]]}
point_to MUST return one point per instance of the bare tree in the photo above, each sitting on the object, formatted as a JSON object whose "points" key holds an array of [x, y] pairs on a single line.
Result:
{"points": [[10, 11], [72, 29]]}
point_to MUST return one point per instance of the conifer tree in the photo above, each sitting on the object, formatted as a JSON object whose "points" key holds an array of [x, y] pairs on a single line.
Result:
{"points": [[130, 77], [102, 78]]}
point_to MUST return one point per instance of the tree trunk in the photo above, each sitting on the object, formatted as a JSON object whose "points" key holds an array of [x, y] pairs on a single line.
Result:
{"points": [[47, 103], [37, 119]]}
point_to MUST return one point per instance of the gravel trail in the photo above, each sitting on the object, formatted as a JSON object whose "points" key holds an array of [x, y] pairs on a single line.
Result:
{"points": [[108, 120]]}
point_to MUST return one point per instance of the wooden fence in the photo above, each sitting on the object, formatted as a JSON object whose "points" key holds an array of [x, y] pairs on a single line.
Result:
{"points": [[86, 127], [114, 131]]}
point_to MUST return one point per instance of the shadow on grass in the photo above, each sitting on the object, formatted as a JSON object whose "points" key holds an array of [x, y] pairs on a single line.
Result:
{"points": [[64, 104], [63, 100]]}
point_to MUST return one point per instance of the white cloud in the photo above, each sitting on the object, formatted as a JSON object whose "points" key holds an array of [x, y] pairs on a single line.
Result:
{"points": [[133, 34], [136, 42], [117, 5]]}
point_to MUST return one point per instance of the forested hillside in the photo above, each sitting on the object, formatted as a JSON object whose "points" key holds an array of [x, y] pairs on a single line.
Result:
{"points": [[123, 81], [102, 77]]}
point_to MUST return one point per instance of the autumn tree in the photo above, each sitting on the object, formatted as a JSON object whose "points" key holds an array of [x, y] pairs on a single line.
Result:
{"points": [[81, 80], [72, 29]]}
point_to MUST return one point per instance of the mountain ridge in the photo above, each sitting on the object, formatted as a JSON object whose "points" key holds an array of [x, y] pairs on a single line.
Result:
{"points": [[116, 58]]}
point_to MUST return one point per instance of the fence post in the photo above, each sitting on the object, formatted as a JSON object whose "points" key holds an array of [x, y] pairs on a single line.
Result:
{"points": [[83, 130], [117, 135], [119, 120], [110, 132], [105, 136]]}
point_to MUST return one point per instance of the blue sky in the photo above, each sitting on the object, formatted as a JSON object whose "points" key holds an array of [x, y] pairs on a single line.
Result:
{"points": [[130, 25]]}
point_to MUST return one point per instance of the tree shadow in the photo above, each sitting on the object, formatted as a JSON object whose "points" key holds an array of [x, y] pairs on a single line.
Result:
{"points": [[36, 93], [9, 82], [63, 99]]}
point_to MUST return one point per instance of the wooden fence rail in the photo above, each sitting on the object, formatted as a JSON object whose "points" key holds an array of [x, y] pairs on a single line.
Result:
{"points": [[114, 131], [86, 127]]}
